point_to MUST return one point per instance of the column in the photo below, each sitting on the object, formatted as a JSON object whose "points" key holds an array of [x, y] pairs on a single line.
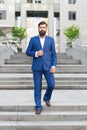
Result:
{"points": [[24, 24], [51, 17]]}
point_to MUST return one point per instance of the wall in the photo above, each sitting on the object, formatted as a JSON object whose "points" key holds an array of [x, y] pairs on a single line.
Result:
{"points": [[9, 6], [81, 8]]}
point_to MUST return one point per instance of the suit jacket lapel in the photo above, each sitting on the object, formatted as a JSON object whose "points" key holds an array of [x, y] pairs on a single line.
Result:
{"points": [[39, 44], [45, 42]]}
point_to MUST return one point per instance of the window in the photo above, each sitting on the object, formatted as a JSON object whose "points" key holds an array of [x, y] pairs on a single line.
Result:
{"points": [[37, 14], [71, 1], [56, 14], [37, 1], [2, 14], [29, 1], [17, 13], [1, 1], [72, 15]]}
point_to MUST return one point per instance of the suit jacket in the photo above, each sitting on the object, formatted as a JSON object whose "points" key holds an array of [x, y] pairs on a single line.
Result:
{"points": [[49, 57]]}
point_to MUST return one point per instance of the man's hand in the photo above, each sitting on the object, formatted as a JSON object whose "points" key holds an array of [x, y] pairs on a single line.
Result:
{"points": [[52, 70], [39, 53]]}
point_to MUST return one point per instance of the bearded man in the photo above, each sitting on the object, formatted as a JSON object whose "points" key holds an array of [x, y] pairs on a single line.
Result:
{"points": [[42, 49]]}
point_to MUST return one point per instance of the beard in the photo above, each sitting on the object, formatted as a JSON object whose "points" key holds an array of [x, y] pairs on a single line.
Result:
{"points": [[42, 33]]}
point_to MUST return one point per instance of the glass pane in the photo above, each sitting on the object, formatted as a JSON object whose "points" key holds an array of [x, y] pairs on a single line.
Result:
{"points": [[2, 14], [1, 1]]}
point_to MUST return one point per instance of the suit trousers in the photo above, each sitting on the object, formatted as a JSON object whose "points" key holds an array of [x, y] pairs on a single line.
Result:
{"points": [[50, 80]]}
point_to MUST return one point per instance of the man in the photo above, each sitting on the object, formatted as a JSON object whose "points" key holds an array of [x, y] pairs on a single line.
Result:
{"points": [[42, 49]]}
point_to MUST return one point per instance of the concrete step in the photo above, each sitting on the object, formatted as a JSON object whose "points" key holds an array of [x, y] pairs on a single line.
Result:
{"points": [[46, 125], [20, 84], [23, 86], [21, 58], [24, 81], [29, 77], [29, 107], [30, 82], [24, 56], [59, 69], [56, 113], [67, 113], [25, 61], [25, 70], [69, 109], [45, 116]]}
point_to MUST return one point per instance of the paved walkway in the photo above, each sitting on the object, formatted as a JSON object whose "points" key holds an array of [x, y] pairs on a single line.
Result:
{"points": [[59, 97]]}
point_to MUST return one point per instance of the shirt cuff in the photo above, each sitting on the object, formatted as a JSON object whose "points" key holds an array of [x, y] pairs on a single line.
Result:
{"points": [[36, 54], [53, 66]]}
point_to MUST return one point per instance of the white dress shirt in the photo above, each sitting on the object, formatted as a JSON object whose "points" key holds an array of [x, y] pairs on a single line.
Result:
{"points": [[42, 40]]}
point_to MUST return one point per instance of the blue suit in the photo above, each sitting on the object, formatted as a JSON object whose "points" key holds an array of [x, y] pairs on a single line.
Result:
{"points": [[41, 65]]}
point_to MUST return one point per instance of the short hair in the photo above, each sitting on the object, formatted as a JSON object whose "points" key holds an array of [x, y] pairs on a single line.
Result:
{"points": [[41, 23]]}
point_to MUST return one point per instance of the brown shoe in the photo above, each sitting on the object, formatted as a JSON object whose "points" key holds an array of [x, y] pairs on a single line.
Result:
{"points": [[38, 111], [48, 104]]}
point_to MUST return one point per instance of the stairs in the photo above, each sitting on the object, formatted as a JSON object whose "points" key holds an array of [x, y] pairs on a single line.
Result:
{"points": [[25, 81], [23, 59], [17, 113], [17, 74], [69, 110]]}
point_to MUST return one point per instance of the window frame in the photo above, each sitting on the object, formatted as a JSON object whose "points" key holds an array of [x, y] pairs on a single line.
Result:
{"points": [[71, 1], [72, 15], [2, 14]]}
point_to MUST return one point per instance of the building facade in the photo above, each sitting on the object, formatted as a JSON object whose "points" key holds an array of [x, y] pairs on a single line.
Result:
{"points": [[73, 12], [59, 14]]}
